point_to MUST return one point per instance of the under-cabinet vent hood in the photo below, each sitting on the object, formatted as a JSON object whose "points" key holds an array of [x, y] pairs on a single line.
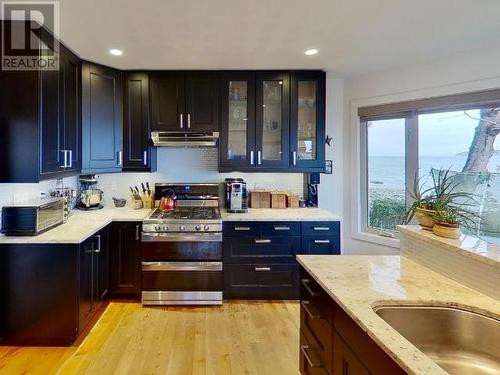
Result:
{"points": [[182, 139]]}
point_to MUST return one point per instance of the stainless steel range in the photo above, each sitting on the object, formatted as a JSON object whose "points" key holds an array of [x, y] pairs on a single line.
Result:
{"points": [[182, 247]]}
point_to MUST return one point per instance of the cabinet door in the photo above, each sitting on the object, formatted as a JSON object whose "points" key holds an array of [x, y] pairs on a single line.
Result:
{"points": [[272, 120], [86, 282], [101, 119], [307, 125], [202, 101], [345, 362], [101, 265], [71, 107], [167, 101], [137, 153], [126, 258], [237, 138]]}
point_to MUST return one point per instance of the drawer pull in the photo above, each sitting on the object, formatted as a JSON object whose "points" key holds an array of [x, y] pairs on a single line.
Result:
{"points": [[321, 241], [279, 227], [310, 310], [242, 228], [262, 241], [321, 228], [305, 283], [262, 269], [310, 356]]}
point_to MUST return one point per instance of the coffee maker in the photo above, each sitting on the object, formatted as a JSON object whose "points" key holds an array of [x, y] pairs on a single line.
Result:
{"points": [[311, 181], [236, 195]]}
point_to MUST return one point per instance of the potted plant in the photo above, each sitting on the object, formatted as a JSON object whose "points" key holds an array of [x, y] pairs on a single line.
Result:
{"points": [[446, 222]]}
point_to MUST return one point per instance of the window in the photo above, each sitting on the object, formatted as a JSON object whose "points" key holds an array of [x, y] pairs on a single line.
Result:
{"points": [[403, 141]]}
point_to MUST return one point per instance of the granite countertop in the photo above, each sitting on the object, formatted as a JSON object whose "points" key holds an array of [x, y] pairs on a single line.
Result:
{"points": [[81, 225], [284, 214], [358, 283]]}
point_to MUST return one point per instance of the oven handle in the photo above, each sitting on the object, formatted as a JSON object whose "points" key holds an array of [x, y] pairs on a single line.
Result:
{"points": [[182, 266], [181, 237]]}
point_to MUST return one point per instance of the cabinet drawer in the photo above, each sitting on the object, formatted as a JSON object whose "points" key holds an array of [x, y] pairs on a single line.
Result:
{"points": [[321, 245], [241, 229], [323, 228], [262, 281], [309, 362], [257, 250], [318, 301], [280, 228]]}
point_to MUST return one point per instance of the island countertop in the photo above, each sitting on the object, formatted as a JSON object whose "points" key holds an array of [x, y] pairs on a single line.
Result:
{"points": [[359, 283]]}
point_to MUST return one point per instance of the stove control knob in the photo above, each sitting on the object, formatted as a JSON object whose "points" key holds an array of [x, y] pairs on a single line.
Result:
{"points": [[164, 228], [198, 227], [182, 228], [206, 227], [157, 228]]}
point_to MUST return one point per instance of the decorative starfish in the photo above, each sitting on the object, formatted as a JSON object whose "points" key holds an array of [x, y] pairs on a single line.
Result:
{"points": [[328, 140]]}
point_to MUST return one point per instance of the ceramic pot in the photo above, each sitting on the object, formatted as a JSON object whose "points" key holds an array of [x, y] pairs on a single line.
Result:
{"points": [[424, 218], [446, 230]]}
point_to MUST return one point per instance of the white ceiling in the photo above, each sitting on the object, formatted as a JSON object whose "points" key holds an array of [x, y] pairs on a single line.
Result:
{"points": [[354, 36]]}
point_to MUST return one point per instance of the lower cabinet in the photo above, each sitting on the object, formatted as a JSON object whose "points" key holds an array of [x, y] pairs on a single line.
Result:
{"points": [[331, 342], [125, 251]]}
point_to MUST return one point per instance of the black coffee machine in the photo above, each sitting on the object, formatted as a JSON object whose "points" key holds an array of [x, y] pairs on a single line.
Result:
{"points": [[311, 180]]}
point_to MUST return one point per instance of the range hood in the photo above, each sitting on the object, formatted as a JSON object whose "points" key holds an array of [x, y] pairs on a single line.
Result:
{"points": [[183, 139]]}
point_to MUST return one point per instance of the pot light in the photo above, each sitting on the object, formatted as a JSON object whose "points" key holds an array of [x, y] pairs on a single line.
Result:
{"points": [[311, 52], [116, 52]]}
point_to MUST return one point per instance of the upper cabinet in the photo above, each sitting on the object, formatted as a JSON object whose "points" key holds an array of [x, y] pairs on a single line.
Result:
{"points": [[138, 155], [307, 125], [272, 121], [101, 119], [184, 102]]}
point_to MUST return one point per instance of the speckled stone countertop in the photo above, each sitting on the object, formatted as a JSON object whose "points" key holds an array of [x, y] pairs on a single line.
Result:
{"points": [[284, 214], [466, 245], [358, 283], [81, 225]]}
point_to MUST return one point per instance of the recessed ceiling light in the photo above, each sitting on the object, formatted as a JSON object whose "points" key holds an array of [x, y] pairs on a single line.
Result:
{"points": [[311, 51], [116, 52]]}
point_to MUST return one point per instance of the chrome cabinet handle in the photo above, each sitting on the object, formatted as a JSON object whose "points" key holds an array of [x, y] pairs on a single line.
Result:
{"points": [[294, 157], [252, 157], [305, 284], [262, 241], [137, 232], [321, 228], [310, 310], [259, 157], [278, 227], [189, 120], [181, 121], [65, 159], [242, 228], [310, 356], [321, 241], [98, 250], [262, 269], [120, 158], [145, 157], [70, 152]]}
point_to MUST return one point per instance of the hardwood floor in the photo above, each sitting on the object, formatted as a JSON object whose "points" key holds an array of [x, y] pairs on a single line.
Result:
{"points": [[240, 337]]}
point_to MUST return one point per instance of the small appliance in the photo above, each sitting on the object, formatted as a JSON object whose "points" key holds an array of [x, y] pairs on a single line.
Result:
{"points": [[32, 217], [312, 182], [90, 197], [236, 195]]}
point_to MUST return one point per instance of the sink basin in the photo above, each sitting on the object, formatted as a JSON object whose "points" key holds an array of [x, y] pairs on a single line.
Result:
{"points": [[459, 341]]}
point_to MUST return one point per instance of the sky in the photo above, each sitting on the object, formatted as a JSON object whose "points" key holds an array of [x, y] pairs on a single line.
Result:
{"points": [[440, 134]]}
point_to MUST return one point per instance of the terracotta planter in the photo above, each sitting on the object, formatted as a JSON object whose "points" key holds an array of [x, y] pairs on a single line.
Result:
{"points": [[446, 230], [424, 218]]}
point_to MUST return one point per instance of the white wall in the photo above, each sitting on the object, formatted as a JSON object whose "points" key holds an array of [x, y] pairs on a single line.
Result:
{"points": [[464, 73]]}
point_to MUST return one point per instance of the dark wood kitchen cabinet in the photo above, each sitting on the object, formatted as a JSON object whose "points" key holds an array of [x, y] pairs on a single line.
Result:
{"points": [[331, 342], [102, 149], [184, 101], [138, 153], [40, 115], [125, 256]]}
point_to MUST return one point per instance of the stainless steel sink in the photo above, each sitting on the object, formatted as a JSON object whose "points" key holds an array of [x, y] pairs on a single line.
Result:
{"points": [[459, 341]]}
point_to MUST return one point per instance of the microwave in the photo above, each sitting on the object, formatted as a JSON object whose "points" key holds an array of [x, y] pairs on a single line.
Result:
{"points": [[32, 218]]}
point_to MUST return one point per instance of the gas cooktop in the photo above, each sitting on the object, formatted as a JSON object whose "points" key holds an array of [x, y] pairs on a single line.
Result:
{"points": [[186, 213]]}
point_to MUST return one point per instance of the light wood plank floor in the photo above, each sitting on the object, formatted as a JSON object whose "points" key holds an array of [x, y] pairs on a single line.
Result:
{"points": [[241, 337]]}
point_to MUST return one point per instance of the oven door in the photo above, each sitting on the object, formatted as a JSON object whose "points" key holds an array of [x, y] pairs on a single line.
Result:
{"points": [[182, 283]]}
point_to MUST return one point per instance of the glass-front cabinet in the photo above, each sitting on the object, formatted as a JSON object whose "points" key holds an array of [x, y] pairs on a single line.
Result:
{"points": [[272, 121], [307, 130]]}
